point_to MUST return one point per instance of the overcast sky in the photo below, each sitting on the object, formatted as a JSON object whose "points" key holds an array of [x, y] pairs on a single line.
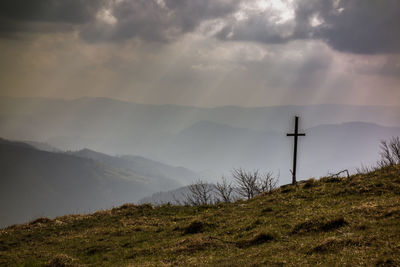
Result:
{"points": [[203, 52]]}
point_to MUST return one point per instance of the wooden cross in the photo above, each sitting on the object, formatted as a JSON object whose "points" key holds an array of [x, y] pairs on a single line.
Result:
{"points": [[295, 135]]}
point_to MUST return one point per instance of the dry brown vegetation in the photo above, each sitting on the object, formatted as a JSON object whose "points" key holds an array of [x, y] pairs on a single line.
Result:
{"points": [[332, 222]]}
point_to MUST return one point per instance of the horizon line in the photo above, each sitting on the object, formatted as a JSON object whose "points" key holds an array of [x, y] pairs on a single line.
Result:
{"points": [[192, 106]]}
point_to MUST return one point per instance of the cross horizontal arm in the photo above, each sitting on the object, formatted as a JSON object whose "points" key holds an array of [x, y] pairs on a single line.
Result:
{"points": [[300, 134]]}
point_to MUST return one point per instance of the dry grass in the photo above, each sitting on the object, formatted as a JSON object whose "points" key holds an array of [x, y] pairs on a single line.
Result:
{"points": [[331, 222]]}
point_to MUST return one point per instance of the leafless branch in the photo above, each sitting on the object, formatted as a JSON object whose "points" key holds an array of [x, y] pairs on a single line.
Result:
{"points": [[267, 182], [390, 152], [224, 190], [200, 193], [249, 184], [246, 182]]}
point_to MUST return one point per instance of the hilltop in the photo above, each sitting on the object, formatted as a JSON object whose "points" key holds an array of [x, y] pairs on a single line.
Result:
{"points": [[331, 221]]}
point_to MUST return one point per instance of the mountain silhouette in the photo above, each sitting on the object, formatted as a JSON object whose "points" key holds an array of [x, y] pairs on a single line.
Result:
{"points": [[38, 183]]}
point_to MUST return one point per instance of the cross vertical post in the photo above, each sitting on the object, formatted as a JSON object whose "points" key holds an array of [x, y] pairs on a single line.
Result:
{"points": [[296, 134]]}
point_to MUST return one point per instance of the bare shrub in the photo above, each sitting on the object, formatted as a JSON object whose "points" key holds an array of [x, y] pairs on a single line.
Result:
{"points": [[247, 182], [395, 147], [390, 152], [200, 193], [386, 155], [390, 155], [224, 190], [251, 183], [267, 182]]}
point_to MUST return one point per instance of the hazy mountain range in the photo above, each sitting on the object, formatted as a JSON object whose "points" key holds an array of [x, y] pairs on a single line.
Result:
{"points": [[40, 183], [210, 141], [166, 176], [38, 179]]}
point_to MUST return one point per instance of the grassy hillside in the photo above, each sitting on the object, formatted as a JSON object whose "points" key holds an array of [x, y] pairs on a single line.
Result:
{"points": [[352, 222]]}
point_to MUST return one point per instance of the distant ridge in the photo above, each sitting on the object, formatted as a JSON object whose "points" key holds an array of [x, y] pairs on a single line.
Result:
{"points": [[168, 176], [205, 140], [40, 183]]}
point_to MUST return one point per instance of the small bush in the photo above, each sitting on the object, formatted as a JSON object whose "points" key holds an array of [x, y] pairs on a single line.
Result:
{"points": [[200, 193], [249, 184], [390, 152]]}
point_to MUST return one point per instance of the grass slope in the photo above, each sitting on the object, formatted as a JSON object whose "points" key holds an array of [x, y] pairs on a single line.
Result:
{"points": [[336, 222]]}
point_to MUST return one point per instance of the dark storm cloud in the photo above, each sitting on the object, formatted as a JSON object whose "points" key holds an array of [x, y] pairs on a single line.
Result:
{"points": [[70, 11], [156, 20], [145, 19], [359, 26], [356, 26], [45, 15]]}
